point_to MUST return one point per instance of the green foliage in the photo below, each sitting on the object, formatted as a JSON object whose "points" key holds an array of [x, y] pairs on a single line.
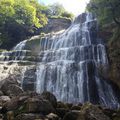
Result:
{"points": [[6, 10], [55, 9], [107, 11], [58, 11], [19, 19], [67, 15], [26, 13]]}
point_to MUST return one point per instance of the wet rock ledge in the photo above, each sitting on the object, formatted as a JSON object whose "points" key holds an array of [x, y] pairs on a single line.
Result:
{"points": [[33, 106]]}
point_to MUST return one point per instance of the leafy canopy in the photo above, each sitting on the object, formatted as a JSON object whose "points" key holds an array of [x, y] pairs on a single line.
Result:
{"points": [[107, 11], [22, 12], [59, 11], [20, 19]]}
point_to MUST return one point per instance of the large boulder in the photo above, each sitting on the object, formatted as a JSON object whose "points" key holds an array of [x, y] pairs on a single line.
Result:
{"points": [[61, 112], [50, 97], [74, 115], [37, 105], [93, 112], [11, 89], [87, 112], [14, 104], [6, 82], [62, 108], [4, 99]]}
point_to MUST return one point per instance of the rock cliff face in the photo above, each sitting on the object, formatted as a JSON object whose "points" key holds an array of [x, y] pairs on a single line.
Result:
{"points": [[56, 24], [111, 35]]}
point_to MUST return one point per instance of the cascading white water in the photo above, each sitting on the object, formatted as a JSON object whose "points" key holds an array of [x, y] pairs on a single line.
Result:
{"points": [[20, 46], [69, 64], [17, 53]]}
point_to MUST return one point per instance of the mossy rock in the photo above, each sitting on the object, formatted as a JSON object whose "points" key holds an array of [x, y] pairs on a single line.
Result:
{"points": [[117, 115], [62, 105]]}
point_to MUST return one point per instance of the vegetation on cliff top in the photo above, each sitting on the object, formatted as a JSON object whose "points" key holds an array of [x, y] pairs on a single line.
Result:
{"points": [[22, 18], [107, 11], [108, 14]]}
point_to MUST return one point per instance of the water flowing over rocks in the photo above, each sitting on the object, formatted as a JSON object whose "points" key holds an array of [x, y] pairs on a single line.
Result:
{"points": [[66, 64]]}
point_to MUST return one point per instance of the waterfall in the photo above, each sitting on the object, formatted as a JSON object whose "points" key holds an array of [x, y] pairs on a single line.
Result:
{"points": [[20, 46], [68, 65], [16, 54]]}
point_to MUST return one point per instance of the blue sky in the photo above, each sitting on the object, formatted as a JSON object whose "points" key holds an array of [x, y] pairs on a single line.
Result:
{"points": [[74, 6]]}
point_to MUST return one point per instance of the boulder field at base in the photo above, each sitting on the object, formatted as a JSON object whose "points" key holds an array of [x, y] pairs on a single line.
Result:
{"points": [[33, 106]]}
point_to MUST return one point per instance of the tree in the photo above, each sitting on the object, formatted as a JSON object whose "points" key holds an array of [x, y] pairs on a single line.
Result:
{"points": [[26, 13], [6, 10], [67, 15], [19, 19], [55, 9], [106, 10]]}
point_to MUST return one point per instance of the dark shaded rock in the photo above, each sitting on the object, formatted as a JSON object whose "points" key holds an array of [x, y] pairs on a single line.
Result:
{"points": [[30, 116], [116, 116], [62, 105], [69, 105], [37, 105], [81, 18], [61, 112], [92, 112], [14, 90], [11, 90], [74, 115], [87, 112], [29, 79], [50, 97], [6, 82], [52, 116], [1, 117], [1, 93], [57, 24], [80, 104], [109, 112], [75, 107], [13, 104], [111, 34], [28, 104]]}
